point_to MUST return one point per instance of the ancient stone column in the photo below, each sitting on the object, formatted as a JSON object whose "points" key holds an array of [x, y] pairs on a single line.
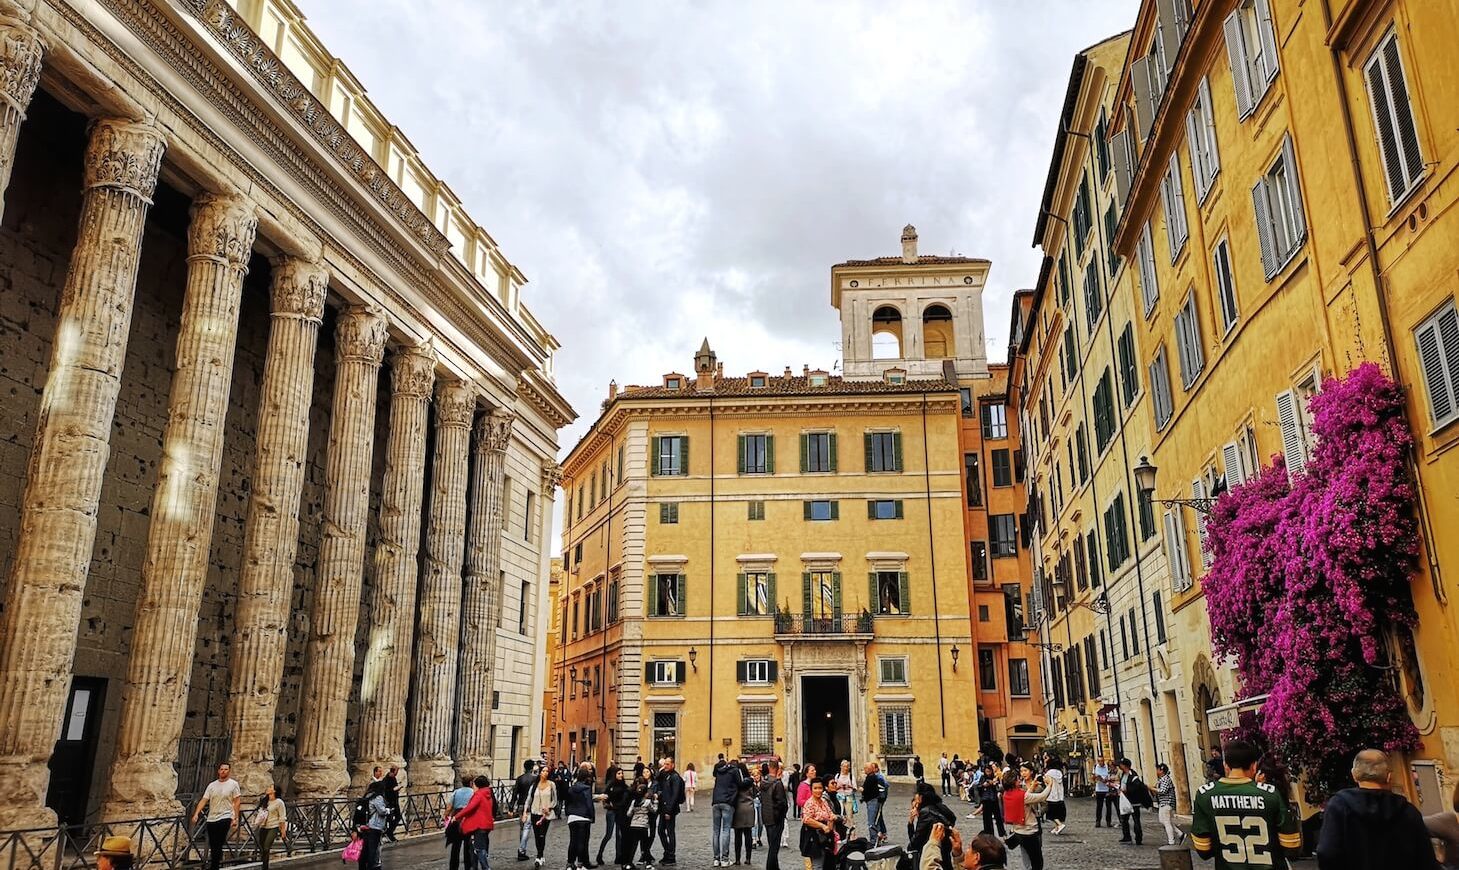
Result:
{"points": [[439, 632], [20, 71], [67, 463], [386, 680], [330, 657], [143, 780], [481, 605], [271, 530]]}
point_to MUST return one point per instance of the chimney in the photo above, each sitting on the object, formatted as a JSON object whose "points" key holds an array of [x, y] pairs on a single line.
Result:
{"points": [[612, 390], [705, 367], [787, 373], [909, 244], [805, 370]]}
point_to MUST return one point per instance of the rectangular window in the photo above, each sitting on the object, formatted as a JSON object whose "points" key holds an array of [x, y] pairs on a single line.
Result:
{"points": [[1091, 665], [1013, 609], [1172, 199], [822, 594], [1200, 130], [622, 459], [821, 510], [756, 593], [1438, 355], [995, 421], [1188, 342], [978, 560], [669, 513], [755, 510], [528, 514], [582, 489], [1164, 406], [1134, 632], [1403, 160], [671, 455], [757, 732], [612, 602], [1116, 533], [1124, 641], [1056, 679], [1093, 296], [1081, 569], [1101, 145], [1251, 47], [1281, 222], [1018, 685], [1002, 468], [757, 454], [1111, 226], [818, 452], [987, 670], [665, 735], [973, 480], [883, 451], [1225, 285], [965, 394], [892, 670], [1003, 529], [666, 595], [665, 673], [896, 730], [1129, 368], [1104, 412], [1092, 545], [890, 592], [522, 604], [1175, 552], [884, 509], [1159, 613], [1081, 443], [757, 672], [1145, 257], [1147, 515]]}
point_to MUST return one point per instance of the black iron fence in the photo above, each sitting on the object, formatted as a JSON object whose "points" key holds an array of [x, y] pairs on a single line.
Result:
{"points": [[790, 623], [174, 842]]}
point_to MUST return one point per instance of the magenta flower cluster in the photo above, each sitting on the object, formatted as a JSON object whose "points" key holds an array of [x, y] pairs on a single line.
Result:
{"points": [[1307, 575]]}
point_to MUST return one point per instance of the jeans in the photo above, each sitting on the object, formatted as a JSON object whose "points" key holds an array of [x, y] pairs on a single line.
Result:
{"points": [[993, 817], [1104, 808], [1167, 818], [947, 782], [669, 836], [774, 832], [481, 844], [525, 835], [720, 817], [577, 843], [458, 848], [266, 837], [875, 824], [759, 827], [1125, 822], [217, 838], [539, 826], [610, 833], [370, 852], [1032, 846]]}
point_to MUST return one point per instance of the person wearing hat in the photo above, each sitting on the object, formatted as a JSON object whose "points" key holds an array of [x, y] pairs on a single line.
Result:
{"points": [[115, 854]]}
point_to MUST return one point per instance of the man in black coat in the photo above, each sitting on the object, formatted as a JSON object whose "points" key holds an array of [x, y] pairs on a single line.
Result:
{"points": [[1371, 827], [774, 805], [671, 798]]}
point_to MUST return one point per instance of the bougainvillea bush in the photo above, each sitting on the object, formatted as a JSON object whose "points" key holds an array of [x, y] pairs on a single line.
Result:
{"points": [[1307, 575]]}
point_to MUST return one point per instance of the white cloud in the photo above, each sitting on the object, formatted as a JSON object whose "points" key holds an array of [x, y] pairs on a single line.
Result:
{"points": [[666, 171]]}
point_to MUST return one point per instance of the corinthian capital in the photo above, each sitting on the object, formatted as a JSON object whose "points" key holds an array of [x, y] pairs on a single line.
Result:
{"points": [[125, 156], [360, 333], [413, 371], [222, 228], [494, 431], [20, 63], [551, 478], [455, 404], [299, 288]]}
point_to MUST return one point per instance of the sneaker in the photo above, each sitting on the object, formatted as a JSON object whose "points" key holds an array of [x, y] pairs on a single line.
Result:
{"points": [[537, 863]]}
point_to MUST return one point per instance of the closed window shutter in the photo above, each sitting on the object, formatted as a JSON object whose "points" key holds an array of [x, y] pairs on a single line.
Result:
{"points": [[807, 596], [1236, 54], [904, 591], [1175, 551], [742, 671], [1438, 349], [1170, 31], [1198, 493], [1144, 109], [648, 672], [679, 598], [896, 451], [1267, 33], [1195, 146], [679, 673], [653, 457], [806, 508], [1149, 283], [1208, 120], [805, 453], [770, 590], [833, 451], [835, 510], [871, 592], [899, 508], [740, 595], [769, 454], [871, 509], [740, 443], [1264, 235], [1403, 110], [1231, 462], [684, 454], [1120, 147], [774, 668], [836, 591], [1294, 192], [1293, 447], [1177, 227]]}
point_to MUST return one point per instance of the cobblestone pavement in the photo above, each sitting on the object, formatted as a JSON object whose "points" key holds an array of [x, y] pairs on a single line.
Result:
{"points": [[1081, 847]]}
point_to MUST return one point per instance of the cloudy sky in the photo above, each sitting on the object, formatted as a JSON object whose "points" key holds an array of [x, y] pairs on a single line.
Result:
{"points": [[663, 171]]}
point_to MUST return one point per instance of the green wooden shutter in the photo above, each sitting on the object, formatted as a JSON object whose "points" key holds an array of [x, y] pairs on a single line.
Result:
{"points": [[871, 596], [774, 670], [680, 672], [806, 595], [896, 451], [653, 456], [648, 672], [684, 454], [871, 509], [904, 591], [740, 600], [770, 590], [663, 513], [866, 437], [805, 452], [833, 451], [653, 594], [740, 442], [769, 454], [680, 597], [899, 508], [835, 510], [740, 668], [806, 506], [836, 592]]}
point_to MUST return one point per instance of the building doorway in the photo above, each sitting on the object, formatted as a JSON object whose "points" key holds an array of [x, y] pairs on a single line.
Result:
{"points": [[75, 753], [825, 721]]}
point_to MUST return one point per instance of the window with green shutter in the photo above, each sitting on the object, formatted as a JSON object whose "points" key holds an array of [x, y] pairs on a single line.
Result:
{"points": [[666, 595], [883, 451], [884, 509], [817, 452], [756, 510], [668, 513], [756, 593], [890, 593], [756, 454], [670, 455], [821, 510]]}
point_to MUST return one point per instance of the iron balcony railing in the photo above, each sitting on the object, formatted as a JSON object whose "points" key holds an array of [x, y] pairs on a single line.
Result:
{"points": [[836, 624], [173, 842]]}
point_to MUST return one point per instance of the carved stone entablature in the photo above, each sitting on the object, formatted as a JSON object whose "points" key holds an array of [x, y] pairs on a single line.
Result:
{"points": [[271, 72], [125, 156], [455, 404], [299, 288], [20, 64], [494, 431], [222, 228], [551, 477]]}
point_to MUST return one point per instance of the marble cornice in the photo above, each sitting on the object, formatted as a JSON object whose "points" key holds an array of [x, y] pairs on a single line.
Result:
{"points": [[551, 406], [176, 48]]}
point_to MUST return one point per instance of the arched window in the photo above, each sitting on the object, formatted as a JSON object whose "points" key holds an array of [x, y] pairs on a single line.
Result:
{"points": [[886, 333], [937, 333]]}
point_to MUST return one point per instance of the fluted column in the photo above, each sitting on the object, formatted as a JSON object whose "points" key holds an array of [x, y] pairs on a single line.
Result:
{"points": [[143, 780], [67, 462], [386, 681], [330, 658], [20, 71], [481, 605], [438, 640], [271, 530]]}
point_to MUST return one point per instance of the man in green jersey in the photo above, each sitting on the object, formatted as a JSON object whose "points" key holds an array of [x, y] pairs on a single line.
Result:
{"points": [[1243, 823]]}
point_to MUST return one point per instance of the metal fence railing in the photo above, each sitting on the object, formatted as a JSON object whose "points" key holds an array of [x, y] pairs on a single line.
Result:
{"points": [[173, 842]]}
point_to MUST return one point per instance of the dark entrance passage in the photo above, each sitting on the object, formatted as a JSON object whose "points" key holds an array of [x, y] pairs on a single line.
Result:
{"points": [[72, 761], [825, 721]]}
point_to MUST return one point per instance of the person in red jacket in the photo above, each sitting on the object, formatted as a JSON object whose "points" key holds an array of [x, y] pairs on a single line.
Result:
{"points": [[477, 820]]}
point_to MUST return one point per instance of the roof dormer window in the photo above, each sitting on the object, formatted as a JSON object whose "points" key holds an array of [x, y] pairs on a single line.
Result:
{"points": [[672, 383], [758, 379], [896, 376], [818, 380]]}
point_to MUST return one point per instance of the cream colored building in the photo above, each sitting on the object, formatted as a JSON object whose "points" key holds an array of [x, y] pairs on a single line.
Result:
{"points": [[278, 427]]}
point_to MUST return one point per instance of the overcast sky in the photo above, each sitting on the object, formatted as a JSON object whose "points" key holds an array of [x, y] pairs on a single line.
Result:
{"points": [[663, 171]]}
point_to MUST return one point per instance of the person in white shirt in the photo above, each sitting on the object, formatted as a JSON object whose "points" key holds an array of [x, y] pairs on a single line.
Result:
{"points": [[223, 798], [1056, 811], [945, 774]]}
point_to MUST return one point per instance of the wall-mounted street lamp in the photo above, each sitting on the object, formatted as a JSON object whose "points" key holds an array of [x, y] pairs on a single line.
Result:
{"points": [[693, 656], [586, 682], [955, 653], [1145, 482]]}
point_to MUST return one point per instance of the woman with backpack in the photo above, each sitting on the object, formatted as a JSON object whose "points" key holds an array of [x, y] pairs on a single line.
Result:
{"points": [[1021, 794], [640, 809], [478, 819]]}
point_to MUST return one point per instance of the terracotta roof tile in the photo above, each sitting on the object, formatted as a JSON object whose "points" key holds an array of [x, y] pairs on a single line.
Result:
{"points": [[923, 260], [796, 385]]}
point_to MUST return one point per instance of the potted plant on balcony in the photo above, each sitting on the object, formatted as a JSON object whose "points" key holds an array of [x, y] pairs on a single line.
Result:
{"points": [[783, 620]]}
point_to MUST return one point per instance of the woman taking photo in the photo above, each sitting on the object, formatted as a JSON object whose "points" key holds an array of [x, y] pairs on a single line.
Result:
{"points": [[817, 823], [1021, 793]]}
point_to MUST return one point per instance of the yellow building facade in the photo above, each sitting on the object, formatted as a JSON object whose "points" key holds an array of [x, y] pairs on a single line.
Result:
{"points": [[775, 563], [1287, 167]]}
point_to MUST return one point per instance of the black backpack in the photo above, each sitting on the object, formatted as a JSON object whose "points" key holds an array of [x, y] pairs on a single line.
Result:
{"points": [[362, 812]]}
